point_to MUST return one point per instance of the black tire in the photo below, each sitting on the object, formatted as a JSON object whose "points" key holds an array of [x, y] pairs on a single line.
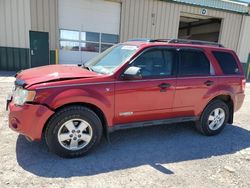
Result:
{"points": [[64, 115], [203, 124]]}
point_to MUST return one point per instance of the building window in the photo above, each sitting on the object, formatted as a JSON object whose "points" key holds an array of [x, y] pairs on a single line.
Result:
{"points": [[69, 45], [105, 46], [69, 35], [108, 38], [90, 47], [90, 36], [86, 41]]}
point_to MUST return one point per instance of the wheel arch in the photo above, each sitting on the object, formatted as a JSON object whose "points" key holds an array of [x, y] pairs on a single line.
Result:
{"points": [[227, 99], [92, 107]]}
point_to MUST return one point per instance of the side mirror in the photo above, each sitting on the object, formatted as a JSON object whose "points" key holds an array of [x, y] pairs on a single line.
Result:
{"points": [[132, 73]]}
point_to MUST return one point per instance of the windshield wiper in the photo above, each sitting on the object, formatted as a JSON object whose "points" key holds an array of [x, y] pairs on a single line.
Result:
{"points": [[88, 68]]}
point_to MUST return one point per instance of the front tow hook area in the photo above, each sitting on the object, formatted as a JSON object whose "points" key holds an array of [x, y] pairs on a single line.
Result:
{"points": [[8, 100]]}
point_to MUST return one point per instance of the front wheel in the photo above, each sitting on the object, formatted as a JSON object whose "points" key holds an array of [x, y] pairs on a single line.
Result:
{"points": [[73, 131], [214, 118]]}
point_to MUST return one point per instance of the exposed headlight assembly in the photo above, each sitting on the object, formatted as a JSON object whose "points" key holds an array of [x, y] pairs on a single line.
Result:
{"points": [[21, 96]]}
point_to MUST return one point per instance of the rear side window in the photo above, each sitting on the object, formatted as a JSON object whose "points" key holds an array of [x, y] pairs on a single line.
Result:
{"points": [[193, 62], [227, 62]]}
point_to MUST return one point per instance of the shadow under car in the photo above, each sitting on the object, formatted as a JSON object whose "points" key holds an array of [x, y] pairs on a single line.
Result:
{"points": [[132, 148]]}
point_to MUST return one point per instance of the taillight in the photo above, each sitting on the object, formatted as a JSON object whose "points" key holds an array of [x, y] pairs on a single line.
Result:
{"points": [[243, 85]]}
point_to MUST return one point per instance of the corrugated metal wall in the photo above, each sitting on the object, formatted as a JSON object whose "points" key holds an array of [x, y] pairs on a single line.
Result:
{"points": [[14, 34], [17, 17], [14, 23], [44, 17], [14, 58], [160, 19], [244, 44]]}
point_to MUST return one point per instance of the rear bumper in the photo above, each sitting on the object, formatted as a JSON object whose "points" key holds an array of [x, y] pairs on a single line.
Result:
{"points": [[29, 119], [239, 99]]}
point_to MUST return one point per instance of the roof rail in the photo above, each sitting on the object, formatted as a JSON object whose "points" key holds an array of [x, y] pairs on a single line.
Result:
{"points": [[140, 40], [186, 41], [199, 42], [178, 41], [160, 40]]}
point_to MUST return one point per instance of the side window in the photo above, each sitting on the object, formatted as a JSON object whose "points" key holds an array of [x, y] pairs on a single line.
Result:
{"points": [[155, 63], [227, 62], [193, 62]]}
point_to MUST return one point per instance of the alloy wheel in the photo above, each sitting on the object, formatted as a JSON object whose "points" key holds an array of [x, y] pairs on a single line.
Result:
{"points": [[75, 134], [216, 119]]}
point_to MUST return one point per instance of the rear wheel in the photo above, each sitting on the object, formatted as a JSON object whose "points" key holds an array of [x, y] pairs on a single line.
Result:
{"points": [[214, 118], [73, 131]]}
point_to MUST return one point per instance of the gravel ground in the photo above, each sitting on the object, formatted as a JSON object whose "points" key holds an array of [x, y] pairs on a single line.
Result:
{"points": [[162, 156]]}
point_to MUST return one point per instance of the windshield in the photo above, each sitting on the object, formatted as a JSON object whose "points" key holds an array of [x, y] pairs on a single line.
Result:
{"points": [[108, 61]]}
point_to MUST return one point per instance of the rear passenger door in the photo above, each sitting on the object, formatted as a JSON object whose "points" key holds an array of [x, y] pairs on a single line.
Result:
{"points": [[195, 77]]}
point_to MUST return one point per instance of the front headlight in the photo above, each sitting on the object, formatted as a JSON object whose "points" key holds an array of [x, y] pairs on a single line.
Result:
{"points": [[22, 95]]}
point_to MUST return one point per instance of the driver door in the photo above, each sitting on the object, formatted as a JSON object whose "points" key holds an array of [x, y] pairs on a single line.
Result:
{"points": [[152, 96]]}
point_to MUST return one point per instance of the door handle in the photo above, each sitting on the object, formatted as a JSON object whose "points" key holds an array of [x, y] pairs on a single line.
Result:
{"points": [[164, 85], [209, 83], [32, 52]]}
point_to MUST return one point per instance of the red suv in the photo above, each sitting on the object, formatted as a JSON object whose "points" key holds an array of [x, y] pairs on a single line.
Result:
{"points": [[134, 84]]}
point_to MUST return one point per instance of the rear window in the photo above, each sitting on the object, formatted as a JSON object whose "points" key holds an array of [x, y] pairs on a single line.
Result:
{"points": [[227, 62]]}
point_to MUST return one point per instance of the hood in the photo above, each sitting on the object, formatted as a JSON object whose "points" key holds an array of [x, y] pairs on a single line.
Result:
{"points": [[53, 73]]}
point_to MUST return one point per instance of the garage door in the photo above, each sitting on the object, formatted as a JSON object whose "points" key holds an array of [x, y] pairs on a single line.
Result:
{"points": [[87, 27]]}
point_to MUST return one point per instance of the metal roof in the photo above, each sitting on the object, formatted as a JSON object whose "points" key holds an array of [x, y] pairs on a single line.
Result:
{"points": [[229, 5]]}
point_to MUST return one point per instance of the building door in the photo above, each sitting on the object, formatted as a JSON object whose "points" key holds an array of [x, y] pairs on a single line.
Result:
{"points": [[86, 28], [39, 48], [199, 27]]}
